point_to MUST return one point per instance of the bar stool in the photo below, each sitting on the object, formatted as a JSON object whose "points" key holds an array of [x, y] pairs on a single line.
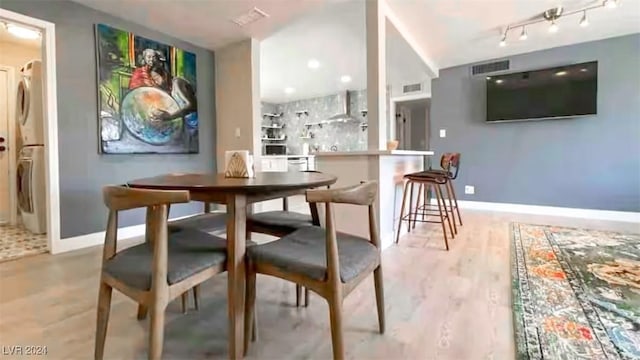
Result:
{"points": [[427, 210], [450, 166]]}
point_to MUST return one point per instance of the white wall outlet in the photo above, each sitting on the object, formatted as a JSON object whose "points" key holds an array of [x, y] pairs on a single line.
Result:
{"points": [[443, 133], [237, 132], [468, 189]]}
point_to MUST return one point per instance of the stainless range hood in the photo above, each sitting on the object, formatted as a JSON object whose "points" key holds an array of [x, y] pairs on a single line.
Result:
{"points": [[344, 114]]}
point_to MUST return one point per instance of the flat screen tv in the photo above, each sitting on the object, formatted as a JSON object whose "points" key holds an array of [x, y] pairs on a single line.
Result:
{"points": [[559, 92]]}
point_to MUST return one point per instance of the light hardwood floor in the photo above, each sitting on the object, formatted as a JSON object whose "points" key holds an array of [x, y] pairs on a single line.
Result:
{"points": [[439, 305]]}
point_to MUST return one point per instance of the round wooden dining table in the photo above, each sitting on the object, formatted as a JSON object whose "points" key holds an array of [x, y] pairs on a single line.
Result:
{"points": [[237, 194]]}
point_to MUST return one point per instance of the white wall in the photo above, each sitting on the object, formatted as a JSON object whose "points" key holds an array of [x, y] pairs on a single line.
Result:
{"points": [[15, 55]]}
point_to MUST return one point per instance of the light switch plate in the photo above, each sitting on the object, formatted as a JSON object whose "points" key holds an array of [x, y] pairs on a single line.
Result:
{"points": [[237, 132], [443, 133], [468, 189]]}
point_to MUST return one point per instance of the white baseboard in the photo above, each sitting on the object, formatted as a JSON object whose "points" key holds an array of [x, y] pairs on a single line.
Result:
{"points": [[607, 215], [97, 238]]}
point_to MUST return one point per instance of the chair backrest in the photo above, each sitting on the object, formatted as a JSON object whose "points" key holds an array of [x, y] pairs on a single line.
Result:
{"points": [[364, 194], [450, 162], [119, 198]]}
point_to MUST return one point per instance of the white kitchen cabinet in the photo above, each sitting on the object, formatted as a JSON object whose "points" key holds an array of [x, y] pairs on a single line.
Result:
{"points": [[274, 163]]}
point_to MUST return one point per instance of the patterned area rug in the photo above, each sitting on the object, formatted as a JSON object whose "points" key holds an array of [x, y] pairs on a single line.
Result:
{"points": [[576, 293], [17, 242]]}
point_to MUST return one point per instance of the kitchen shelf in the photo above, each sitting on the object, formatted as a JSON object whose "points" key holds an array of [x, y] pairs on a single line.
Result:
{"points": [[281, 138], [275, 126], [271, 115], [306, 137]]}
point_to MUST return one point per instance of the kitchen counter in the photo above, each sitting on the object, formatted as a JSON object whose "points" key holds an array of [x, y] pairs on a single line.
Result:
{"points": [[376, 153], [288, 156]]}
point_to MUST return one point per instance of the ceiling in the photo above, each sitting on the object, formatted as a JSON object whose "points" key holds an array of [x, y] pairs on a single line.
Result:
{"points": [[464, 31], [6, 37], [206, 23], [334, 35]]}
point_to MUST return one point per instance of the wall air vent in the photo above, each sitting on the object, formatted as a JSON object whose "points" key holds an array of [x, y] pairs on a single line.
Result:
{"points": [[411, 88], [249, 17], [490, 67]]}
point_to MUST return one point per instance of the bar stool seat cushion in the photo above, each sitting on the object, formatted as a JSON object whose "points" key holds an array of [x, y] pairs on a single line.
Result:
{"points": [[304, 252], [189, 252]]}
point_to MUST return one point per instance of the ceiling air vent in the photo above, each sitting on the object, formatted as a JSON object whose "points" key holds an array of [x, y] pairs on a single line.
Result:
{"points": [[249, 17], [411, 88], [490, 67]]}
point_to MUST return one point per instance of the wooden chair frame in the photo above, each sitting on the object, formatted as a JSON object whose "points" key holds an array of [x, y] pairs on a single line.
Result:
{"points": [[157, 298], [332, 288]]}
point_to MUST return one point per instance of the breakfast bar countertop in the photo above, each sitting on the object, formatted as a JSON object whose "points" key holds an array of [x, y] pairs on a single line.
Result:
{"points": [[290, 156], [377, 153]]}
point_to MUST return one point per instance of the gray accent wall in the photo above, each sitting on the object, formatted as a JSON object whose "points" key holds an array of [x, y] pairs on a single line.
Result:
{"points": [[591, 162], [83, 172]]}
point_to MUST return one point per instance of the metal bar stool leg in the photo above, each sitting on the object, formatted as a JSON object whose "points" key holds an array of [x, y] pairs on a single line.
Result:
{"points": [[455, 200], [410, 207], [415, 219], [438, 198], [448, 187], [404, 199]]}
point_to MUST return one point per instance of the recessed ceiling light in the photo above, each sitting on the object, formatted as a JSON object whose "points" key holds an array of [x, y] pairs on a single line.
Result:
{"points": [[22, 32], [250, 16], [561, 73], [583, 70], [345, 78], [499, 81], [488, 77], [313, 64], [289, 90]]}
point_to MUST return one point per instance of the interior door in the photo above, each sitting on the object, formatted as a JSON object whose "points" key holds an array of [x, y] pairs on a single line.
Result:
{"points": [[5, 208]]}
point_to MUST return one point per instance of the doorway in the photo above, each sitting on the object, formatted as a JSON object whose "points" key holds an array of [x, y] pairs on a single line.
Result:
{"points": [[412, 123], [29, 190]]}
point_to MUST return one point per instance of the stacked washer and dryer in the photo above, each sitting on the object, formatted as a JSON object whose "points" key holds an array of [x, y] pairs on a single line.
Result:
{"points": [[31, 184]]}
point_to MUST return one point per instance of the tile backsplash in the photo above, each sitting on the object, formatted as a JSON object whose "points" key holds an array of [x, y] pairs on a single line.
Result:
{"points": [[347, 136]]}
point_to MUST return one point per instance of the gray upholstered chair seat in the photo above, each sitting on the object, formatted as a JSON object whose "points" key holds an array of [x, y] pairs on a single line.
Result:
{"points": [[304, 252], [283, 221], [189, 252], [208, 223]]}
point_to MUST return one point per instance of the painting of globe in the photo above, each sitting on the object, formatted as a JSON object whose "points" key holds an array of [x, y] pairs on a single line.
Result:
{"points": [[139, 111]]}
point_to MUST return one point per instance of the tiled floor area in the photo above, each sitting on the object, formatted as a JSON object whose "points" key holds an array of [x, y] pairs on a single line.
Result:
{"points": [[17, 242]]}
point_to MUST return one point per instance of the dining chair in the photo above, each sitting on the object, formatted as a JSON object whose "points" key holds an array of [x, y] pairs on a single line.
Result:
{"points": [[283, 222], [157, 271], [325, 261]]}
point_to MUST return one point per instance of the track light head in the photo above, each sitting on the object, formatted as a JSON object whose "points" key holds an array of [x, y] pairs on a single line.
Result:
{"points": [[523, 34], [584, 22]]}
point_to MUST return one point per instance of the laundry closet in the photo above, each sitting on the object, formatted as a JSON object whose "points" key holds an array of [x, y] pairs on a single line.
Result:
{"points": [[22, 143]]}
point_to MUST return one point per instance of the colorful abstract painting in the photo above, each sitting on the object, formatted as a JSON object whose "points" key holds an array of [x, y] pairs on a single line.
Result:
{"points": [[576, 293], [147, 95]]}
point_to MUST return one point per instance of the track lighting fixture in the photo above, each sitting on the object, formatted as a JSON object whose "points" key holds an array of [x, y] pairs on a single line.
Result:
{"points": [[584, 21], [551, 16], [523, 34]]}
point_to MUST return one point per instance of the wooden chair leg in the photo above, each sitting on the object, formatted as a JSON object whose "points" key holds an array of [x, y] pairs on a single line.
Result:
{"points": [[410, 207], [156, 329], [455, 201], [142, 311], [298, 295], [104, 307], [438, 199], [377, 280], [404, 199], [306, 297], [446, 212], [448, 187], [254, 324], [335, 315], [249, 307], [185, 299], [425, 201], [196, 296], [415, 219]]}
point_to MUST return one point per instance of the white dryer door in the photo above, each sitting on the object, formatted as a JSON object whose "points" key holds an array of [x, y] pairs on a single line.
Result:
{"points": [[25, 191], [23, 98]]}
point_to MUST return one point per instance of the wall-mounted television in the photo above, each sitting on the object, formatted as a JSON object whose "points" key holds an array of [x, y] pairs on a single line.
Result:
{"points": [[558, 92]]}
